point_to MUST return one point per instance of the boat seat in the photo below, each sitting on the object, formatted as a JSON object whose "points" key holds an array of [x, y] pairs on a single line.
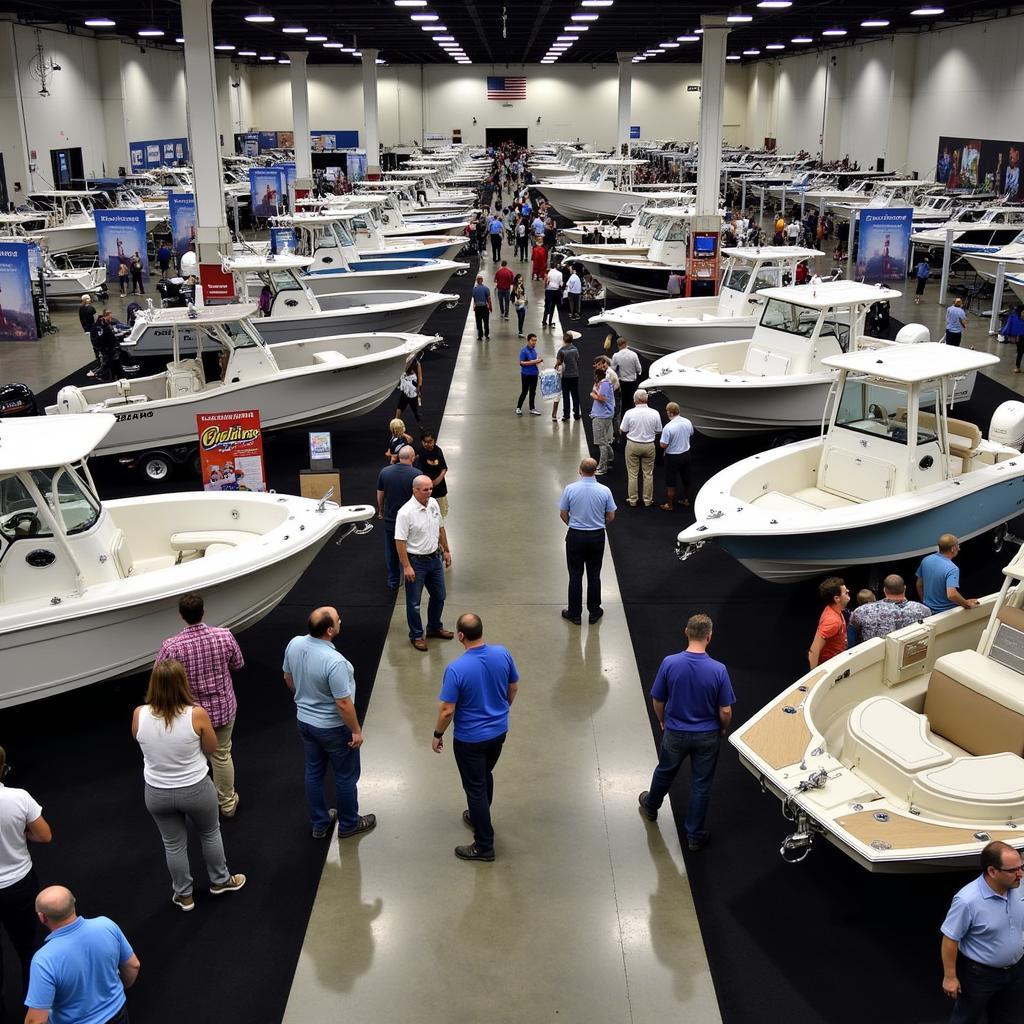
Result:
{"points": [[964, 436], [330, 357], [203, 540], [889, 743], [987, 788], [761, 362], [822, 499], [185, 377], [976, 703], [777, 501]]}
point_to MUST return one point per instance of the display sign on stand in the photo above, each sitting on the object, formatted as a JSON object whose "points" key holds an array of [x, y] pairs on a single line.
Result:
{"points": [[883, 244], [282, 241], [17, 309], [183, 222], [121, 236], [231, 451], [268, 191], [218, 284]]}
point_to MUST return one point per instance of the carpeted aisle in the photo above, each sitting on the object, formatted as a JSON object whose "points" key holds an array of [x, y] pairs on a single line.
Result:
{"points": [[822, 941], [232, 959]]}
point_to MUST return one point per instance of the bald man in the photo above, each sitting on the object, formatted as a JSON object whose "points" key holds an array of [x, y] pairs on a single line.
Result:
{"points": [[84, 967], [938, 578], [324, 687]]}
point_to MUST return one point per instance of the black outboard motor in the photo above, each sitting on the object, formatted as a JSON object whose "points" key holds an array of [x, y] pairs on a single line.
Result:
{"points": [[17, 400], [170, 291]]}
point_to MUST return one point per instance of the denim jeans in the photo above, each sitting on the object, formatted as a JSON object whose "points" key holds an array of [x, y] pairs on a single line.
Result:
{"points": [[476, 763], [521, 317], [570, 396], [503, 296], [603, 438], [430, 574], [988, 994], [330, 746], [172, 809], [391, 561], [702, 749]]}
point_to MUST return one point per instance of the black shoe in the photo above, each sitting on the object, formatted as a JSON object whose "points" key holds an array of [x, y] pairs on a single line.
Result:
{"points": [[473, 852], [566, 614], [565, 419], [364, 823], [645, 810], [693, 844], [321, 833], [595, 617], [466, 819]]}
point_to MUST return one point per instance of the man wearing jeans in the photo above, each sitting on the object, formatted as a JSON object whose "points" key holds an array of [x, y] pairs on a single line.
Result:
{"points": [[423, 551], [692, 697], [477, 691], [210, 654], [324, 688]]}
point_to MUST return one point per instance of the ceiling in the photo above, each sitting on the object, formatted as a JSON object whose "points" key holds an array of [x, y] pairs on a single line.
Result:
{"points": [[490, 37]]}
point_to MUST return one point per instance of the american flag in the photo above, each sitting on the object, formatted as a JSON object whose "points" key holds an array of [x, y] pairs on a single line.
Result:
{"points": [[506, 88]]}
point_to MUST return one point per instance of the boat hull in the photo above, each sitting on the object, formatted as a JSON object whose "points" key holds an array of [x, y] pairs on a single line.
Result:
{"points": [[427, 278], [656, 339], [631, 281]]}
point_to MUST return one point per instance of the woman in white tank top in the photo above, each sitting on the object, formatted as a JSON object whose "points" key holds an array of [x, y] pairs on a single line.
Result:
{"points": [[175, 735]]}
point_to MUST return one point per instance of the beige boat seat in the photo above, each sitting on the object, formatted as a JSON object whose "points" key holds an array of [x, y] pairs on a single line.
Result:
{"points": [[889, 744], [185, 377], [964, 436], [210, 542], [330, 357], [988, 788]]}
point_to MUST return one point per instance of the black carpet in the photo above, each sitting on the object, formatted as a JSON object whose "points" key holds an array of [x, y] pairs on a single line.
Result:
{"points": [[232, 959], [823, 941]]}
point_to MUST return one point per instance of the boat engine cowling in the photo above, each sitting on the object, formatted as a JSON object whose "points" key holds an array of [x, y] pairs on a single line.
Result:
{"points": [[913, 334], [1007, 426], [17, 399]]}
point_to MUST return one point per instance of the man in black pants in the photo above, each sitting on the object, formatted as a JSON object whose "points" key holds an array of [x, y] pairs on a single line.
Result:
{"points": [[482, 308], [587, 507], [478, 691], [568, 358]]}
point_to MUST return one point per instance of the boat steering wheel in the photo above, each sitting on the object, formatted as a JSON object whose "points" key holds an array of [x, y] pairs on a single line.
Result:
{"points": [[20, 524], [878, 412]]}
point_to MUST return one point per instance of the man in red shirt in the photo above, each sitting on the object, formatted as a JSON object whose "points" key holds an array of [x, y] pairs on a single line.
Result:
{"points": [[830, 636], [503, 280]]}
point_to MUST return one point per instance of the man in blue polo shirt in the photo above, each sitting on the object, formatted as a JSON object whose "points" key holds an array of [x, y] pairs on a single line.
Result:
{"points": [[982, 943], [586, 507], [81, 973], [477, 691], [692, 698], [938, 578]]}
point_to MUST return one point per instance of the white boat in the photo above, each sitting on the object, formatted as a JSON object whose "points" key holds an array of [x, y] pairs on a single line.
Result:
{"points": [[885, 193], [977, 227], [904, 752], [295, 383], [855, 192], [90, 588], [71, 223], [985, 259], [607, 191], [295, 313], [661, 326], [63, 280], [609, 238], [890, 473], [386, 216]]}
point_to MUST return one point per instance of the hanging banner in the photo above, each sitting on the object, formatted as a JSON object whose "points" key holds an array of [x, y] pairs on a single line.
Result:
{"points": [[991, 165], [282, 241], [328, 142], [883, 245], [267, 191], [157, 152], [183, 222], [17, 308], [286, 140], [288, 169], [355, 166], [120, 237], [231, 451], [137, 153]]}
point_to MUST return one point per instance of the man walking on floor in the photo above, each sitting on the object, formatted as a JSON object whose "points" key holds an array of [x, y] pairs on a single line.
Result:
{"points": [[552, 292], [693, 698], [586, 507], [478, 690], [324, 687], [568, 358], [482, 307], [210, 654], [503, 286]]}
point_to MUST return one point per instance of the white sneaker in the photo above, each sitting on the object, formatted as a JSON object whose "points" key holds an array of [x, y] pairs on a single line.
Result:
{"points": [[519, 412], [534, 412]]}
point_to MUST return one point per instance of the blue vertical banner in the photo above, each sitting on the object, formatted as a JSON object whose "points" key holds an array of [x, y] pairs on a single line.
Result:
{"points": [[17, 309], [883, 244], [268, 140], [183, 222], [120, 236], [282, 240], [289, 174], [137, 152], [267, 190]]}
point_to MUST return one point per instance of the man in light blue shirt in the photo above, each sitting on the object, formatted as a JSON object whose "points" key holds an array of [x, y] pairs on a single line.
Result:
{"points": [[938, 578], [675, 443], [956, 321], [983, 942], [324, 687], [602, 414], [586, 508]]}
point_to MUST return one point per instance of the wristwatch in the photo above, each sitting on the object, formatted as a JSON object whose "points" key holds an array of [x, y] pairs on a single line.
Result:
{"points": [[437, 735]]}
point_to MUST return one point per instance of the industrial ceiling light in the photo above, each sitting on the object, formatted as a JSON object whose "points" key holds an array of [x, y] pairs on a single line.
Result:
{"points": [[732, 56], [151, 33], [739, 18], [334, 46], [444, 40], [357, 53], [875, 23], [928, 11], [260, 17], [584, 17], [751, 53], [410, 3], [424, 17], [246, 53], [568, 39], [434, 28], [576, 28], [688, 39], [346, 49], [777, 5], [597, 3], [316, 38], [284, 60], [268, 57], [670, 46], [224, 47], [295, 30], [801, 39], [834, 32], [99, 23], [775, 46], [181, 39]]}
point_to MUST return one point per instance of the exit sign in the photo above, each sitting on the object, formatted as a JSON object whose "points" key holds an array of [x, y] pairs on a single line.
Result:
{"points": [[693, 88]]}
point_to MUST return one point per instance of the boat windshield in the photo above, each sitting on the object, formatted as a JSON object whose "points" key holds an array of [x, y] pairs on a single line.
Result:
{"points": [[18, 513], [238, 331], [789, 317], [869, 407], [671, 230], [67, 498], [739, 276], [280, 280], [344, 238]]}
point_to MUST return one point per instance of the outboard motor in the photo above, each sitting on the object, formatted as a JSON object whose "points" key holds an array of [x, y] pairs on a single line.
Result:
{"points": [[132, 313], [877, 324], [1007, 426], [170, 290], [913, 334], [17, 400]]}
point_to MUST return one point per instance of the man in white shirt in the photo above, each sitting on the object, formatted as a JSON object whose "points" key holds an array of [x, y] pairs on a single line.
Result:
{"points": [[675, 443], [641, 425], [552, 289], [574, 289], [626, 363], [423, 551]]}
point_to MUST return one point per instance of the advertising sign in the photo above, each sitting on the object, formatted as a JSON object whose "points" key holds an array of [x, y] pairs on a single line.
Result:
{"points": [[156, 152], [268, 140], [231, 451], [883, 246], [286, 140], [328, 142], [964, 164], [289, 174], [218, 284], [355, 166], [634, 131], [320, 447], [183, 222], [138, 157], [17, 310], [121, 235], [282, 240], [267, 191], [251, 144]]}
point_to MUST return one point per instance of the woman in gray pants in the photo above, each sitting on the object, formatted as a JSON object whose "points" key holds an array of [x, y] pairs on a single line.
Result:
{"points": [[175, 735]]}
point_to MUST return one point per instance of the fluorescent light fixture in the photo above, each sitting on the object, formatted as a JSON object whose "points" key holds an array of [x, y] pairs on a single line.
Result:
{"points": [[688, 39], [295, 30], [260, 17], [597, 3], [99, 23], [698, 31], [410, 3], [567, 39], [576, 28], [659, 50], [357, 53], [751, 53], [224, 47], [670, 46], [181, 39], [246, 53], [543, 60], [444, 39], [732, 56], [268, 57], [775, 46], [334, 46], [342, 48], [284, 60], [424, 17], [928, 12], [379, 61], [739, 18], [834, 32], [434, 28], [875, 23], [316, 39], [151, 33], [778, 5], [801, 39], [584, 17]]}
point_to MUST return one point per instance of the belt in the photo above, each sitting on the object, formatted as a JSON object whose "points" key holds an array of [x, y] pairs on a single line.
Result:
{"points": [[581, 529], [432, 554], [990, 967]]}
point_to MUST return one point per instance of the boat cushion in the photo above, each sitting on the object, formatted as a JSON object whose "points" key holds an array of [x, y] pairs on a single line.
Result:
{"points": [[889, 743], [762, 362], [976, 703], [329, 356], [777, 501], [988, 788], [856, 476], [200, 540]]}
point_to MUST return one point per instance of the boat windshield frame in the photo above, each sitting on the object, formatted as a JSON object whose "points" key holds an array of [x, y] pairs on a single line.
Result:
{"points": [[773, 307], [880, 421]]}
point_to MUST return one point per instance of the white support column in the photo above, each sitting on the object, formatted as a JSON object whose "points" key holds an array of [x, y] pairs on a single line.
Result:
{"points": [[625, 101], [300, 119], [371, 131], [712, 95], [13, 132], [204, 143]]}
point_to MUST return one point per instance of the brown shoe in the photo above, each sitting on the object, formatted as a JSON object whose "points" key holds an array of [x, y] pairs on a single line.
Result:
{"points": [[420, 644], [441, 634], [665, 508]]}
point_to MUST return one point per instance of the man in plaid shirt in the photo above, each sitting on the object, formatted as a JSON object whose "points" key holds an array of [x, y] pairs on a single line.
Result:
{"points": [[209, 655]]}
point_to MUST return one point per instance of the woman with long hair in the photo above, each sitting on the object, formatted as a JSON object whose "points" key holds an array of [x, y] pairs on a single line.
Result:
{"points": [[175, 736]]}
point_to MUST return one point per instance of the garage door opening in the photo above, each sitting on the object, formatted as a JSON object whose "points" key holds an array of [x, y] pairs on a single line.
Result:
{"points": [[496, 136]]}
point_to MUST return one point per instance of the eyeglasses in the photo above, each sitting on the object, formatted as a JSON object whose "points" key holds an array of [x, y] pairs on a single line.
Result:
{"points": [[1019, 869]]}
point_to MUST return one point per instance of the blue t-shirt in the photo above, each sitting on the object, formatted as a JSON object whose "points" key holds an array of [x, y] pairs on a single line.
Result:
{"points": [[396, 483], [75, 975], [939, 574], [587, 502], [692, 687], [528, 353], [604, 410], [955, 319], [477, 684], [676, 434], [481, 293], [495, 227], [321, 676]]}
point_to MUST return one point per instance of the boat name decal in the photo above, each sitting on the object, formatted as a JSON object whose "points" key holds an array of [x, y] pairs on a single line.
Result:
{"points": [[122, 416], [213, 436]]}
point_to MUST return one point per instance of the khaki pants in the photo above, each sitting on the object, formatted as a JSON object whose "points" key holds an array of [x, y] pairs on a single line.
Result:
{"points": [[442, 505], [640, 458], [224, 770]]}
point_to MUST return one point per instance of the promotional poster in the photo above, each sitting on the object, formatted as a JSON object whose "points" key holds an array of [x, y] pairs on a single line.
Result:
{"points": [[17, 310], [121, 235], [319, 446], [883, 246], [329, 142], [990, 165], [356, 166], [282, 240], [231, 451], [157, 152], [183, 222], [268, 192]]}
